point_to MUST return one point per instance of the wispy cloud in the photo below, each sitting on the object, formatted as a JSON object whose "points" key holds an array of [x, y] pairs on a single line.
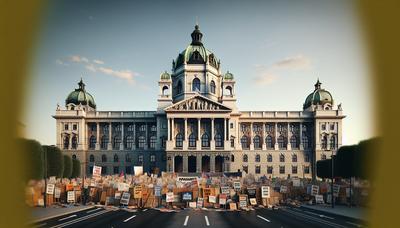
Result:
{"points": [[60, 62], [123, 74], [98, 61], [79, 59], [267, 75]]}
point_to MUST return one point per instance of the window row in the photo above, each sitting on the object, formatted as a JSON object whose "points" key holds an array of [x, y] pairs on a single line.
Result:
{"points": [[257, 158], [129, 142], [269, 142], [332, 142], [282, 170], [196, 86], [117, 128], [205, 140], [116, 158]]}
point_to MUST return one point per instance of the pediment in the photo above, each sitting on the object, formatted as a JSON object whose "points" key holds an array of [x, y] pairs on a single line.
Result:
{"points": [[197, 103]]}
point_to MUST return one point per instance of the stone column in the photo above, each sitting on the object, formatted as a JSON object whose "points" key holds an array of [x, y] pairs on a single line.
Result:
{"points": [[212, 135], [198, 163], [289, 135], [212, 163], [169, 129], [301, 136], [263, 136], [198, 143], [109, 136], [276, 136], [134, 136], [251, 136], [185, 163], [225, 131], [185, 136], [146, 145], [172, 130], [97, 136], [121, 147]]}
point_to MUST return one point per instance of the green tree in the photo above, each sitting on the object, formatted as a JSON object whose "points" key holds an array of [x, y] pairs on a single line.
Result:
{"points": [[346, 162], [364, 155], [55, 161], [324, 169], [33, 158], [67, 166], [76, 168]]}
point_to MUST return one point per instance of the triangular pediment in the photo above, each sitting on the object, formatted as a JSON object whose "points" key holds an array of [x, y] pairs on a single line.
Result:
{"points": [[198, 103]]}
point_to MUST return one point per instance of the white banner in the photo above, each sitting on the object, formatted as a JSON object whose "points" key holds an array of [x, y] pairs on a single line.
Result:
{"points": [[319, 199], [50, 189], [57, 193], [265, 193], [125, 198], [170, 197], [138, 170], [225, 190], [336, 190], [283, 189], [212, 199], [314, 190], [71, 197], [96, 171]]}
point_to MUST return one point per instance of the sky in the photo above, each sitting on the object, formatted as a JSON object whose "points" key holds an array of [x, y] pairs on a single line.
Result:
{"points": [[276, 50]]}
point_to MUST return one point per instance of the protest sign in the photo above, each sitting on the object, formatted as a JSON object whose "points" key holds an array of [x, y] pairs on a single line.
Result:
{"points": [[283, 189], [138, 170], [41, 202], [225, 189], [187, 196], [243, 200], [236, 186], [69, 187], [319, 199], [50, 189], [117, 195], [186, 179], [52, 180], [206, 192], [157, 191], [296, 182], [96, 171], [71, 197], [265, 193], [137, 192], [192, 204], [200, 202], [251, 192], [123, 187], [222, 199], [253, 201], [57, 193], [125, 198], [336, 189], [232, 206], [314, 190], [212, 199], [329, 198], [169, 197]]}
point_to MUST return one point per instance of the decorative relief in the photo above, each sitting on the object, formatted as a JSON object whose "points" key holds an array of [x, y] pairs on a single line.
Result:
{"points": [[197, 104]]}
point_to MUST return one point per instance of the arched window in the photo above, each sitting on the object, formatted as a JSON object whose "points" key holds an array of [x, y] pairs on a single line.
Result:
{"points": [[92, 142], [192, 140], [179, 88], [212, 87], [116, 142], [205, 140], [258, 158], [103, 158], [91, 158], [74, 143], [74, 157], [293, 142], [332, 142], [179, 140], [142, 142], [153, 128], [269, 143], [232, 158], [130, 129], [104, 142], [165, 91], [142, 128], [129, 142], [257, 142], [218, 140], [232, 141], [66, 142], [269, 158], [282, 158], [152, 142], [228, 91], [324, 142], [304, 141], [116, 158], [245, 158], [294, 158], [244, 142], [196, 84], [281, 142]]}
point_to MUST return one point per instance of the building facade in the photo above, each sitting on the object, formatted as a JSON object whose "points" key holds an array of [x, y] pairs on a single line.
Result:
{"points": [[198, 128]]}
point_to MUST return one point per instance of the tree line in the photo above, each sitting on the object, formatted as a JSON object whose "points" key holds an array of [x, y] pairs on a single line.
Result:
{"points": [[38, 157], [351, 161]]}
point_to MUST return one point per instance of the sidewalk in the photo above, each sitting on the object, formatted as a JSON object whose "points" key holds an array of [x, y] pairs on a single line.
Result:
{"points": [[41, 213], [352, 212]]}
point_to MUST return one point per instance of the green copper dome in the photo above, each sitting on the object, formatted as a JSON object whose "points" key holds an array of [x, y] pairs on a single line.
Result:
{"points": [[165, 76], [80, 96], [196, 53], [318, 97], [228, 76]]}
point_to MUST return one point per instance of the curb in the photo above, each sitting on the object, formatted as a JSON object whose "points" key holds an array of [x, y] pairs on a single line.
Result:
{"points": [[65, 213]]}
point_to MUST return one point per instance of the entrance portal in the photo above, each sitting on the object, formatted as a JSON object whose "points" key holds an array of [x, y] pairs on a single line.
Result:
{"points": [[205, 164], [219, 164], [192, 164], [178, 164]]}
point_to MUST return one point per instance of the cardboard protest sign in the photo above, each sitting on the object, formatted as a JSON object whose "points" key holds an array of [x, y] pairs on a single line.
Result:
{"points": [[157, 191], [187, 196], [200, 202], [186, 179], [206, 192], [57, 193], [314, 190], [41, 202], [319, 199], [123, 187], [117, 195], [71, 197], [232, 206], [251, 192], [336, 190], [138, 170], [52, 180], [236, 186], [137, 192], [192, 204], [125, 198], [225, 189], [296, 182], [283, 189], [50, 189], [265, 192], [69, 187], [243, 200], [169, 197], [253, 201], [222, 199], [212, 199], [96, 171]]}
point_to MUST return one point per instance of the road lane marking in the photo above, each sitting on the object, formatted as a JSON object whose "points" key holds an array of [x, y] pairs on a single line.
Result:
{"points": [[145, 209], [67, 217], [207, 222], [325, 222], [133, 216], [354, 224], [80, 219], [263, 218], [186, 220], [87, 212], [322, 216]]}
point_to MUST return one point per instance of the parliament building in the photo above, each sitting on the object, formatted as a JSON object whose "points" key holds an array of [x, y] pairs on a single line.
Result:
{"points": [[198, 128]]}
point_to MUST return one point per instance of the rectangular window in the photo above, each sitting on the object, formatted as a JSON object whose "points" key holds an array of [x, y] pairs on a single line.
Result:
{"points": [[323, 127], [140, 159], [104, 170], [66, 127], [307, 169], [269, 169], [294, 169], [258, 169], [282, 169], [307, 158], [90, 169], [332, 127], [74, 127], [116, 169], [152, 158], [231, 125]]}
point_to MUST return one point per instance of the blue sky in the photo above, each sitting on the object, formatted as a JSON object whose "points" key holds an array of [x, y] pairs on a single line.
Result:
{"points": [[275, 49]]}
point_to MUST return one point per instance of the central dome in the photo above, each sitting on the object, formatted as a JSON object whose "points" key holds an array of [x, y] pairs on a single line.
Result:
{"points": [[318, 97], [80, 96], [196, 53]]}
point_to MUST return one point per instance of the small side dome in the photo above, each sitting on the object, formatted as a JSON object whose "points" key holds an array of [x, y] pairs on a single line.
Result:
{"points": [[165, 76], [80, 96], [228, 76], [318, 97]]}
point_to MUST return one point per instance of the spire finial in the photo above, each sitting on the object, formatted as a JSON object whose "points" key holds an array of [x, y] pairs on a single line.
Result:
{"points": [[318, 84], [81, 84]]}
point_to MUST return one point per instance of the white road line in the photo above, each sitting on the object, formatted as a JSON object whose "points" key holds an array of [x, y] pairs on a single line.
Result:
{"points": [[313, 218], [133, 216], [322, 216], [145, 210], [207, 222], [87, 212], [354, 224], [67, 217], [80, 219], [263, 218], [186, 220]]}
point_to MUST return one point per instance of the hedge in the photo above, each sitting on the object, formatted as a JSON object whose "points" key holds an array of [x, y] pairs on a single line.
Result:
{"points": [[76, 168], [67, 166], [33, 158], [55, 161]]}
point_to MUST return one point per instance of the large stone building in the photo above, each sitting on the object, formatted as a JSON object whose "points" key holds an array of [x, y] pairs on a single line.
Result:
{"points": [[198, 128]]}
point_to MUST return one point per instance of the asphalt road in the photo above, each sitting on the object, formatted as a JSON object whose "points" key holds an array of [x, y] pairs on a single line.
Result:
{"points": [[282, 217]]}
